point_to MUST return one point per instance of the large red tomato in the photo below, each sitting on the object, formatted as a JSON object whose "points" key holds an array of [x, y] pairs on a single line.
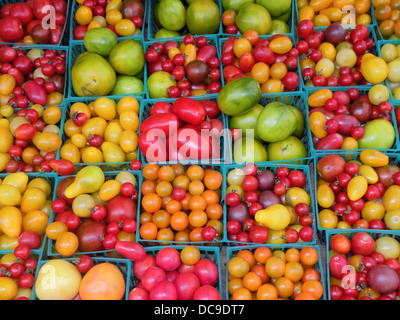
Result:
{"points": [[206, 293], [186, 285], [337, 266], [140, 267], [329, 167], [23, 12], [152, 276], [207, 272], [362, 243], [163, 290], [120, 208], [168, 259], [90, 234], [11, 29], [340, 244]]}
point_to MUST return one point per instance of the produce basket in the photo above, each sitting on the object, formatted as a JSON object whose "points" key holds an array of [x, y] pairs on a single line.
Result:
{"points": [[212, 39], [64, 36], [155, 242], [51, 251], [379, 45], [374, 51], [74, 51], [152, 26], [73, 24], [233, 251], [211, 253], [291, 98], [348, 155], [124, 265], [267, 95], [145, 112], [27, 47], [50, 178], [371, 13], [272, 167], [375, 234], [110, 166], [363, 90], [291, 24]]}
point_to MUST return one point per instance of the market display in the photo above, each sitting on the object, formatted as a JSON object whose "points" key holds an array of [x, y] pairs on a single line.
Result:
{"points": [[200, 150]]}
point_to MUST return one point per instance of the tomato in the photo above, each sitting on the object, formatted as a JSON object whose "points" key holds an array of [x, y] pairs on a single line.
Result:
{"points": [[340, 244]]}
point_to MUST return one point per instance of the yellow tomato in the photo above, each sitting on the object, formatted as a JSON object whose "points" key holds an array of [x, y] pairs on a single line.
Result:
{"points": [[297, 195], [35, 221], [327, 219], [7, 84], [52, 115], [281, 45], [113, 132], [94, 24], [317, 121], [112, 152], [70, 128], [357, 187], [96, 125], [129, 120], [6, 141], [374, 69], [391, 198], [109, 190], [54, 98], [325, 196], [47, 141], [9, 196], [125, 27], [8, 288], [128, 103], [79, 140], [113, 16], [374, 158], [41, 184], [32, 199], [83, 15], [275, 217], [373, 210], [369, 173], [272, 86], [328, 50], [7, 243], [70, 152], [105, 108], [6, 111], [128, 140], [80, 107], [319, 97], [392, 219], [126, 176], [10, 221], [82, 205], [92, 155], [18, 180], [276, 237]]}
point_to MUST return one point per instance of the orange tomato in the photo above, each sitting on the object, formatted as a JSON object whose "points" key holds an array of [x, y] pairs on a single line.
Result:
{"points": [[267, 292], [252, 36], [229, 17], [84, 15], [67, 244], [260, 72], [309, 256], [262, 254], [278, 70], [241, 46], [275, 267], [281, 44]]}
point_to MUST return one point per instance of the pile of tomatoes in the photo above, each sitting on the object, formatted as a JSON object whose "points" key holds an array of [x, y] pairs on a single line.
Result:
{"points": [[123, 19], [387, 15], [192, 64], [180, 204], [28, 22], [324, 12], [30, 138], [361, 193], [170, 274], [364, 266], [333, 57], [272, 62], [268, 207], [351, 119], [17, 273], [102, 131], [95, 216], [265, 274], [183, 130], [32, 76]]}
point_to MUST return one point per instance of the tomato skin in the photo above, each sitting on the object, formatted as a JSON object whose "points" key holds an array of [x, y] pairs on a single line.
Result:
{"points": [[206, 52], [12, 30], [25, 131], [120, 208], [161, 107], [131, 250], [189, 110], [362, 243], [228, 45], [336, 264], [340, 244], [36, 93], [164, 122]]}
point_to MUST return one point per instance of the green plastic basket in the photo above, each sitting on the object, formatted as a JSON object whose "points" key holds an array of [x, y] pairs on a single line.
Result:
{"points": [[267, 95], [233, 251], [112, 166], [291, 24], [145, 113], [152, 26], [315, 152], [273, 167], [152, 243], [124, 265], [347, 155], [75, 49], [51, 251], [371, 13], [212, 39], [349, 234], [51, 179], [294, 99], [64, 36], [211, 253], [73, 24]]}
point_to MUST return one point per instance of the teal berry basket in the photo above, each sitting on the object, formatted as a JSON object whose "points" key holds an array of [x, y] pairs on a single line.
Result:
{"points": [[64, 39], [272, 167], [124, 266], [106, 166], [153, 27], [51, 251], [174, 243], [26, 48], [374, 51], [219, 157], [211, 253], [363, 91], [75, 50], [394, 99], [271, 95], [233, 251], [212, 39], [73, 25], [375, 234], [60, 126], [290, 23], [295, 99], [51, 180], [348, 155], [347, 26]]}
